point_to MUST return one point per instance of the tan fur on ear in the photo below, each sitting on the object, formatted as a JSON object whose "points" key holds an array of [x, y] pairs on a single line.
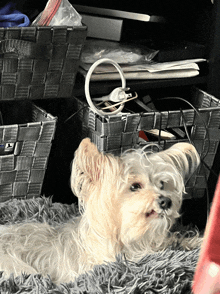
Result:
{"points": [[184, 156], [87, 167], [87, 148]]}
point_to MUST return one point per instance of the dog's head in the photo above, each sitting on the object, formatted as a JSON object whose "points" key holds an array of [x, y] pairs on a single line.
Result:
{"points": [[129, 196]]}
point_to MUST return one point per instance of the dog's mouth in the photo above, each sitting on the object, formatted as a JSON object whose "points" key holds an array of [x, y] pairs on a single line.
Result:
{"points": [[152, 212]]}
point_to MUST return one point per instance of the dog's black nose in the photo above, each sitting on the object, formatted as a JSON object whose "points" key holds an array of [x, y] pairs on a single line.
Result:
{"points": [[164, 202]]}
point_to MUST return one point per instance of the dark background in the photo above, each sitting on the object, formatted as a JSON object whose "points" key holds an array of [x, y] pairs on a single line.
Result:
{"points": [[189, 20]]}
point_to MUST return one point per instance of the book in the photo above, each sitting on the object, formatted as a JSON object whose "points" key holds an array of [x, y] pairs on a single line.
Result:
{"points": [[139, 75], [148, 66], [151, 70]]}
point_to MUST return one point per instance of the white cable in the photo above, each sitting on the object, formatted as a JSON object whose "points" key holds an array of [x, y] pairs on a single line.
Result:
{"points": [[87, 81]]}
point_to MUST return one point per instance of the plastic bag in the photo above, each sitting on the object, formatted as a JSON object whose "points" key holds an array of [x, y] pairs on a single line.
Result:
{"points": [[58, 13], [121, 53]]}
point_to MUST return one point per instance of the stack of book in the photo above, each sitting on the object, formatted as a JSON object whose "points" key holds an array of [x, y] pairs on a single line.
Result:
{"points": [[151, 70]]}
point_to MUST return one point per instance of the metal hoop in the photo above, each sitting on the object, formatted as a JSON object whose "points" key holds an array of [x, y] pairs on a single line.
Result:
{"points": [[87, 81]]}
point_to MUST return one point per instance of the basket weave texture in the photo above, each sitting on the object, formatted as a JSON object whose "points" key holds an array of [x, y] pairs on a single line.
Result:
{"points": [[118, 133], [24, 151], [39, 62]]}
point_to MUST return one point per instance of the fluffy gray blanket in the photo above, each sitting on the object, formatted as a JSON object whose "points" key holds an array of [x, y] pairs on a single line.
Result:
{"points": [[170, 271]]}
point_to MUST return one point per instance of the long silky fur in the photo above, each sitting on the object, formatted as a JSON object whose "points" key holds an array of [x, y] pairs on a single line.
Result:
{"points": [[102, 231]]}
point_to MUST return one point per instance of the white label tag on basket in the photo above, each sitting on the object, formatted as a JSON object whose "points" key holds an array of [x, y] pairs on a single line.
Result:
{"points": [[7, 148]]}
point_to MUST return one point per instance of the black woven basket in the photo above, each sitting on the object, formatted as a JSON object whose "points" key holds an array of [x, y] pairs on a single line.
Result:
{"points": [[25, 144], [39, 62], [115, 134]]}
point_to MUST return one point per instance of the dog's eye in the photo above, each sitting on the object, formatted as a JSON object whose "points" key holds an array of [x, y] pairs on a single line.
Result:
{"points": [[134, 187]]}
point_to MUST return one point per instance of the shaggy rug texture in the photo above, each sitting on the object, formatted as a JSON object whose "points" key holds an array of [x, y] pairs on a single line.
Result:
{"points": [[170, 271]]}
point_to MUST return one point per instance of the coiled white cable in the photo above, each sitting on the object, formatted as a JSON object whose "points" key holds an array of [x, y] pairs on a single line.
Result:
{"points": [[121, 89]]}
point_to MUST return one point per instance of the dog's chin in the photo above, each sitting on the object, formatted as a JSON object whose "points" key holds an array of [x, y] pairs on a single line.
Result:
{"points": [[160, 220]]}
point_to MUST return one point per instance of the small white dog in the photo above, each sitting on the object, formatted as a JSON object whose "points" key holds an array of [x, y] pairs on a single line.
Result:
{"points": [[127, 205]]}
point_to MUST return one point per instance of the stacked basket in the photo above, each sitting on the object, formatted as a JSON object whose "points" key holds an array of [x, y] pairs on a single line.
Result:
{"points": [[39, 62], [24, 150], [35, 63], [118, 133]]}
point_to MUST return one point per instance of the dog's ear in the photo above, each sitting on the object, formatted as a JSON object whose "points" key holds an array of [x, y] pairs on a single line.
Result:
{"points": [[184, 156], [87, 167]]}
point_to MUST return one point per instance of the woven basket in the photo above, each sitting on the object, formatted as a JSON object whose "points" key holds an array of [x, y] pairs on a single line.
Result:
{"points": [[115, 134], [39, 62], [24, 149]]}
